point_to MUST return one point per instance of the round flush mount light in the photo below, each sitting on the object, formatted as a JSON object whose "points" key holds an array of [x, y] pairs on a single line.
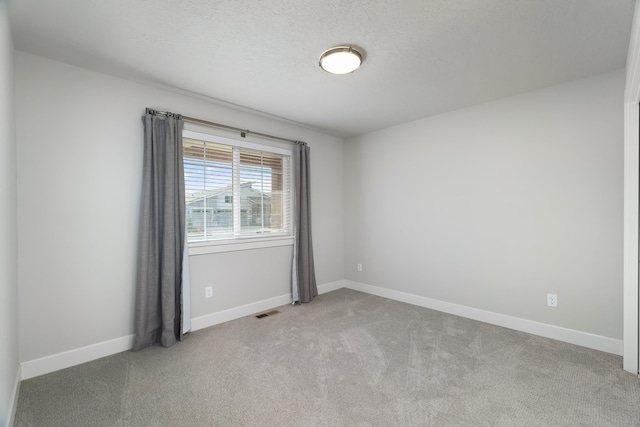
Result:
{"points": [[340, 60]]}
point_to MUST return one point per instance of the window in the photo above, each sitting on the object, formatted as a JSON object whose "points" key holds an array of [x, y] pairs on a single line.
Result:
{"points": [[235, 189]]}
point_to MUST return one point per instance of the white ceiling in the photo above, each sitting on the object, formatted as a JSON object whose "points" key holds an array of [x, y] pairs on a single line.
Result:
{"points": [[422, 57]]}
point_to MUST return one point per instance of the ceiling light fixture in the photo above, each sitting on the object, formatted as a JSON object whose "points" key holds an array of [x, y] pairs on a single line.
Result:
{"points": [[340, 60]]}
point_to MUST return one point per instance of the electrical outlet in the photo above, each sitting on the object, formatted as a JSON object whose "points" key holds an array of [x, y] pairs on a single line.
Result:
{"points": [[208, 292], [552, 300], [359, 267]]}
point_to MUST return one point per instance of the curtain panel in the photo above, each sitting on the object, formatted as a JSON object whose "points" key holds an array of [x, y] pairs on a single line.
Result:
{"points": [[159, 314], [304, 287]]}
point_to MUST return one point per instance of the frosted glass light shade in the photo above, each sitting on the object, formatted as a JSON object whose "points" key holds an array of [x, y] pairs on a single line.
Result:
{"points": [[340, 60]]}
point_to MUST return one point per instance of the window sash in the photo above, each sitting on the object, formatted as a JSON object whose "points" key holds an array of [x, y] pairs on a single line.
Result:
{"points": [[254, 178]]}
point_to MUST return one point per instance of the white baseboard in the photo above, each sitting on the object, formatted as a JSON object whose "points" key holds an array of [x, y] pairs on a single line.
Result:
{"points": [[11, 416], [255, 307], [584, 339], [238, 312], [55, 362], [328, 287], [66, 359]]}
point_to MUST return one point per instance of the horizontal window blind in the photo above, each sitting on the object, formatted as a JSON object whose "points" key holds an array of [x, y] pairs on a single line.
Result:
{"points": [[235, 192]]}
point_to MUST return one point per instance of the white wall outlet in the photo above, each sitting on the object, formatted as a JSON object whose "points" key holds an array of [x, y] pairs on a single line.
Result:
{"points": [[359, 267], [208, 292], [552, 300]]}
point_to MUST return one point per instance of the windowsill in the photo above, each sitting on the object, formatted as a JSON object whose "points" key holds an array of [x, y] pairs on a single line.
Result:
{"points": [[213, 246]]}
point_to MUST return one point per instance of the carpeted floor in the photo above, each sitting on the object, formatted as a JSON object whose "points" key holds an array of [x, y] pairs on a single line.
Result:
{"points": [[346, 359]]}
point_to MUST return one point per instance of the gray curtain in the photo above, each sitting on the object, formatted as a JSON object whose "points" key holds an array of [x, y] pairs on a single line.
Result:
{"points": [[304, 287], [158, 314]]}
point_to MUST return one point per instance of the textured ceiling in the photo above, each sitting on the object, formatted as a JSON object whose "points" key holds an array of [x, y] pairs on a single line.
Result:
{"points": [[422, 57]]}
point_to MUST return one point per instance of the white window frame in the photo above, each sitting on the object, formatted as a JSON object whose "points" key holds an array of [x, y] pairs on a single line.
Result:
{"points": [[240, 243]]}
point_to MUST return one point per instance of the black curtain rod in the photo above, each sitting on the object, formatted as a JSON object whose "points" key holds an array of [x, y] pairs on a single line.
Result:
{"points": [[243, 132]]}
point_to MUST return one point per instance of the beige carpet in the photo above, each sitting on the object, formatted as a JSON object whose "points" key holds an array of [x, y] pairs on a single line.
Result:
{"points": [[346, 359]]}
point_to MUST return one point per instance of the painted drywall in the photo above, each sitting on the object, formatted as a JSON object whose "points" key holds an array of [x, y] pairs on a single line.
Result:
{"points": [[79, 144], [631, 190], [494, 206], [8, 221]]}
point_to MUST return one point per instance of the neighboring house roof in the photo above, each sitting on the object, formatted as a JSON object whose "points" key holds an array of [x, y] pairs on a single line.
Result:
{"points": [[247, 186]]}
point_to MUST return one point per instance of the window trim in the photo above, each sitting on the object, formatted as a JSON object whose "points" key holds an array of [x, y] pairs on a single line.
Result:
{"points": [[240, 243]]}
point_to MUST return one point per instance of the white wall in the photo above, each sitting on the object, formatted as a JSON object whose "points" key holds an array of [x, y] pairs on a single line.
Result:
{"points": [[631, 190], [8, 221], [494, 206], [79, 138]]}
